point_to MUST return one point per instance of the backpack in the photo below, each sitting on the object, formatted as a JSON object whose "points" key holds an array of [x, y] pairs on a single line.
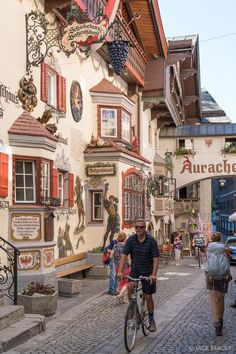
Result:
{"points": [[217, 263], [106, 256]]}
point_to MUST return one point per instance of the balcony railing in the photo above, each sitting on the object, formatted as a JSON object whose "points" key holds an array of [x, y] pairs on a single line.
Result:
{"points": [[51, 202], [137, 58]]}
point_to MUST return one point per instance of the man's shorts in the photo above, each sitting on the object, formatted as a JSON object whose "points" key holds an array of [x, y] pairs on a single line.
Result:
{"points": [[148, 288]]}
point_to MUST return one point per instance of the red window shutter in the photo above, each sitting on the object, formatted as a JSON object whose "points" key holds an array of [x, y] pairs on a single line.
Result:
{"points": [[55, 183], [3, 175], [44, 82], [61, 93], [71, 189]]}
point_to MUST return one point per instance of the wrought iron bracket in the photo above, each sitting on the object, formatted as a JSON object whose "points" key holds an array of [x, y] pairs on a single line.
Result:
{"points": [[42, 36]]}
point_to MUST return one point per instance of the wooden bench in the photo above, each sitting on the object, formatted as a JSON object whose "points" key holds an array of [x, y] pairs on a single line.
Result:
{"points": [[73, 267]]}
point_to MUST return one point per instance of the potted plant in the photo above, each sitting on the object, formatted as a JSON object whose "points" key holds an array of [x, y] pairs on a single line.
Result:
{"points": [[38, 298], [182, 151]]}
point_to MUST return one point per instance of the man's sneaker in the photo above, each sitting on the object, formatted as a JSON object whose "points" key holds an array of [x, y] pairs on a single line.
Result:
{"points": [[152, 326]]}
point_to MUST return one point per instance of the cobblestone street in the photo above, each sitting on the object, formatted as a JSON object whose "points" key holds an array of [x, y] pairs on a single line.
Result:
{"points": [[182, 316]]}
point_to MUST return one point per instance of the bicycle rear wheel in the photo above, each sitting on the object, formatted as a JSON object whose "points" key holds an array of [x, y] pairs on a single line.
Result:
{"points": [[131, 326], [145, 319]]}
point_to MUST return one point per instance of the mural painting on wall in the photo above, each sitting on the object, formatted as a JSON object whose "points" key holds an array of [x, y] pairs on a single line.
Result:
{"points": [[80, 205], [29, 260], [63, 242], [80, 240], [48, 258], [76, 101], [113, 223]]}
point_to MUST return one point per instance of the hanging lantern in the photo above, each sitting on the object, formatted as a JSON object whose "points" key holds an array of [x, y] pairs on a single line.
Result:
{"points": [[118, 51]]}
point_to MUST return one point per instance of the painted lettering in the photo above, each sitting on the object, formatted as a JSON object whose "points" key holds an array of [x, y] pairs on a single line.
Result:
{"points": [[187, 166], [234, 167], [219, 168], [211, 168], [196, 168], [226, 166], [203, 168]]}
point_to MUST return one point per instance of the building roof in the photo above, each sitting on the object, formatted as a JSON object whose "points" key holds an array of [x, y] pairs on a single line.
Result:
{"points": [[112, 146], [106, 86], [186, 131], [211, 111], [26, 124]]}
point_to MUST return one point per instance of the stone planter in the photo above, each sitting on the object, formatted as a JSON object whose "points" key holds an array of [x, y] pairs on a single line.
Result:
{"points": [[98, 270], [45, 305], [69, 287]]}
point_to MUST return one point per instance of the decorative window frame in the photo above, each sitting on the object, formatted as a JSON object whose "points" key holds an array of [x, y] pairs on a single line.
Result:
{"points": [[119, 115], [132, 171]]}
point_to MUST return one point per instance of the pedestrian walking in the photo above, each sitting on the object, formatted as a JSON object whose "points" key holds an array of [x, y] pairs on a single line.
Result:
{"points": [[117, 253], [177, 249], [113, 282], [217, 279], [144, 253]]}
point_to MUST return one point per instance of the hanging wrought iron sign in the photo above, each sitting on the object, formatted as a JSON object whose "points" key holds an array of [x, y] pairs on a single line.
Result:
{"points": [[78, 33]]}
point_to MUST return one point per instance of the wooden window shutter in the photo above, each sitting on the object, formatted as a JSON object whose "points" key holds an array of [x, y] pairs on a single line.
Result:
{"points": [[44, 82], [61, 93], [71, 190], [3, 175], [55, 183]]}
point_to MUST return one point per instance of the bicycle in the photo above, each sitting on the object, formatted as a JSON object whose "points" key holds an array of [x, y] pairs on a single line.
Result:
{"points": [[136, 316]]}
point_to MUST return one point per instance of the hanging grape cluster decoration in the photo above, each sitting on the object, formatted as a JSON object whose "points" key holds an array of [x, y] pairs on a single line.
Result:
{"points": [[118, 49], [118, 54]]}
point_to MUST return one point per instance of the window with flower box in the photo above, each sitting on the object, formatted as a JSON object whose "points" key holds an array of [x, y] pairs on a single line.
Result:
{"points": [[134, 197]]}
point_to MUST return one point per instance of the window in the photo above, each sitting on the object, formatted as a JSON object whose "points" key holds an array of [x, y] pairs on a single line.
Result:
{"points": [[126, 126], [185, 144], [52, 88], [108, 123], [115, 123], [60, 187], [181, 143], [133, 197], [46, 180], [25, 181], [97, 205]]}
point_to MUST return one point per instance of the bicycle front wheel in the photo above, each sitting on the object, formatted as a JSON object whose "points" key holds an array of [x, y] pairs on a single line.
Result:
{"points": [[145, 320], [131, 326]]}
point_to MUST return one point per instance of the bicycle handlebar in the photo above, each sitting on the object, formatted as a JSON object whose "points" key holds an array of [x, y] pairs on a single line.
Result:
{"points": [[140, 278]]}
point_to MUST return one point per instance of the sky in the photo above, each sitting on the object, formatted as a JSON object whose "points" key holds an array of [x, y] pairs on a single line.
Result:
{"points": [[209, 19]]}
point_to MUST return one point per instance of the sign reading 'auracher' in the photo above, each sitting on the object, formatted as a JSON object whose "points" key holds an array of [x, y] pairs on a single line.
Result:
{"points": [[224, 167]]}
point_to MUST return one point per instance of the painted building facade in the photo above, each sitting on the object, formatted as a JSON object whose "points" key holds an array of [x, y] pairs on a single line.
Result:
{"points": [[77, 145]]}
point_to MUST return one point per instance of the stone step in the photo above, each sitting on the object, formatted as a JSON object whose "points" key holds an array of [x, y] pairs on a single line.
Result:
{"points": [[10, 314], [21, 331]]}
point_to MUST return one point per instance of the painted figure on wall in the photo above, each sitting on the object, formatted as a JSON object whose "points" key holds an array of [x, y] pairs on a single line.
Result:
{"points": [[76, 101], [113, 224], [64, 243], [80, 205]]}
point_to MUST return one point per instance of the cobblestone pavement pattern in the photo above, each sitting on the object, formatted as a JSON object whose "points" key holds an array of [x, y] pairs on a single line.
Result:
{"points": [[97, 325]]}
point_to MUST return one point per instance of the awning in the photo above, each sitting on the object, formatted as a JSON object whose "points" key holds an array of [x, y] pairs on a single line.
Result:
{"points": [[232, 217]]}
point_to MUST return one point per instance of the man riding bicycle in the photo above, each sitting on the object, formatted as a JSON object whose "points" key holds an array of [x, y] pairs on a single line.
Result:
{"points": [[144, 253], [199, 243]]}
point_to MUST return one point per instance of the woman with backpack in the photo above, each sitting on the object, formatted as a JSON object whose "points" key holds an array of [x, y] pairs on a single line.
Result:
{"points": [[217, 279]]}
